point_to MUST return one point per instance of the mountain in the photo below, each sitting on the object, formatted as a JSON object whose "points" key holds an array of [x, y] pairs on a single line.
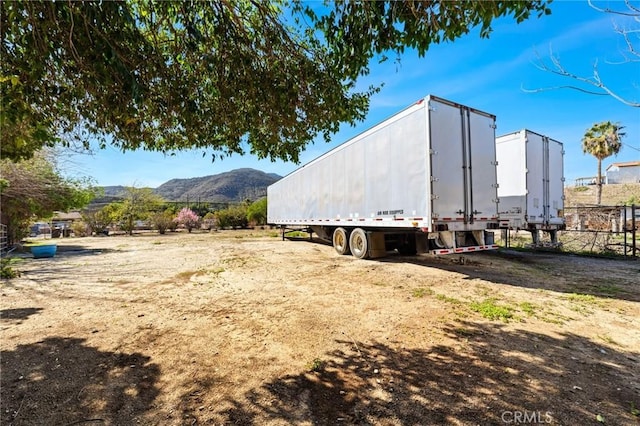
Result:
{"points": [[236, 185]]}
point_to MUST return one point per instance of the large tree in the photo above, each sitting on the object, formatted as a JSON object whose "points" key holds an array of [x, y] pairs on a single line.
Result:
{"points": [[35, 188], [137, 204], [602, 140], [223, 76]]}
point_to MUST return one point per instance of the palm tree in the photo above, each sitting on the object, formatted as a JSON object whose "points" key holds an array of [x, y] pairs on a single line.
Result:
{"points": [[602, 140]]}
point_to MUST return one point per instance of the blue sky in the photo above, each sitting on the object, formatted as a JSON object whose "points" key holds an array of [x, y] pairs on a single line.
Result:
{"points": [[486, 74]]}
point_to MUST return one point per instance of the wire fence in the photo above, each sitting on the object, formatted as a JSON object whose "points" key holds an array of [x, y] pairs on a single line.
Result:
{"points": [[4, 239], [605, 230]]}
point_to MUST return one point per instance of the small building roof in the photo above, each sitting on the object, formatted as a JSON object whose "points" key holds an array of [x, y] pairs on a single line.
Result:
{"points": [[67, 216], [625, 164]]}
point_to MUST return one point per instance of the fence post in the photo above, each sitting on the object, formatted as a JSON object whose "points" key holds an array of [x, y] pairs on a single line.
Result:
{"points": [[624, 229], [633, 228]]}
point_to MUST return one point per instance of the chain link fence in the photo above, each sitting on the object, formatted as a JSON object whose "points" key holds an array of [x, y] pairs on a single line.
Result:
{"points": [[602, 230], [4, 239]]}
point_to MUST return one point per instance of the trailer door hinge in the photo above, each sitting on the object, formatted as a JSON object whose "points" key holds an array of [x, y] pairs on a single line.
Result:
{"points": [[434, 179], [493, 126], [433, 152], [432, 107], [495, 185], [434, 197], [494, 163]]}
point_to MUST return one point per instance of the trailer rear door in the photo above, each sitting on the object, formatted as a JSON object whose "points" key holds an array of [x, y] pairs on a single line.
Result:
{"points": [[537, 178], [462, 142], [556, 182]]}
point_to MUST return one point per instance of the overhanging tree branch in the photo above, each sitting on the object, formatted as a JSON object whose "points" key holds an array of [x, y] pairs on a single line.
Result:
{"points": [[220, 76], [594, 80], [631, 55]]}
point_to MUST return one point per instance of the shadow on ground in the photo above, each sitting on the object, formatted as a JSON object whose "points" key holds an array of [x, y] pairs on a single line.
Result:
{"points": [[18, 315], [561, 272], [491, 377], [608, 278], [61, 381]]}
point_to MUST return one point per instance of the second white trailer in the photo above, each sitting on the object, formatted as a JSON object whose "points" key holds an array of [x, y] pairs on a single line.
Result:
{"points": [[530, 183]]}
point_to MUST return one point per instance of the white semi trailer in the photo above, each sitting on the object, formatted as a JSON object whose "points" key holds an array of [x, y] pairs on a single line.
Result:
{"points": [[531, 183], [424, 180]]}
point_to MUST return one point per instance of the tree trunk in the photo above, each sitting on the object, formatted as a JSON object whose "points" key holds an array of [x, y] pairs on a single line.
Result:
{"points": [[599, 192]]}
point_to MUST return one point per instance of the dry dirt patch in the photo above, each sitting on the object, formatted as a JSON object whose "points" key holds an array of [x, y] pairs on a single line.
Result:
{"points": [[239, 327]]}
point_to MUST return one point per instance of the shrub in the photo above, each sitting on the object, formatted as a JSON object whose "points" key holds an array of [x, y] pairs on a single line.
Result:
{"points": [[162, 221], [99, 221], [6, 271], [80, 229], [234, 217], [209, 221], [257, 212]]}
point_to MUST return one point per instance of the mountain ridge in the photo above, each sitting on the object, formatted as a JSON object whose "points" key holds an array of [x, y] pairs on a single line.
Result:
{"points": [[231, 186]]}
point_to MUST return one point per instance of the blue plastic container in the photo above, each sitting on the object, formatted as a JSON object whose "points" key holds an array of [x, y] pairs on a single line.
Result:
{"points": [[47, 250]]}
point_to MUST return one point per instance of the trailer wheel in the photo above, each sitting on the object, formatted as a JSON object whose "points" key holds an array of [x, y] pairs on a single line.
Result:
{"points": [[359, 244], [341, 241]]}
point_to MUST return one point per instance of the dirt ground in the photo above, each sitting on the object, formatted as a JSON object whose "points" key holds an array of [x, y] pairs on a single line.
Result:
{"points": [[242, 328]]}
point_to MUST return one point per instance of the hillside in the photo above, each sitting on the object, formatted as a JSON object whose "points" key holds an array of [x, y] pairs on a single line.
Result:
{"points": [[612, 195], [236, 185]]}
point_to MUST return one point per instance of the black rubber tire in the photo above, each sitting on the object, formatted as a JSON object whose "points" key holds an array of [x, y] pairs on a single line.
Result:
{"points": [[341, 241], [359, 244]]}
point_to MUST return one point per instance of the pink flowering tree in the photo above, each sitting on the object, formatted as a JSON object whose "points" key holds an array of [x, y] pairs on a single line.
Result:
{"points": [[187, 218]]}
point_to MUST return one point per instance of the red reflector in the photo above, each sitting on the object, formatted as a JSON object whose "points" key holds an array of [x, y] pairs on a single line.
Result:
{"points": [[458, 250]]}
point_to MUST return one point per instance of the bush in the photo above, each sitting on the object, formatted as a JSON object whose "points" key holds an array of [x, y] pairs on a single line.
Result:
{"points": [[80, 229], [257, 212], [209, 221], [162, 221], [6, 271], [99, 221], [233, 217]]}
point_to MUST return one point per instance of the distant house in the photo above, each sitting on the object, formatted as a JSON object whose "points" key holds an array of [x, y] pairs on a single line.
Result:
{"points": [[590, 180], [68, 217], [628, 172], [62, 221]]}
